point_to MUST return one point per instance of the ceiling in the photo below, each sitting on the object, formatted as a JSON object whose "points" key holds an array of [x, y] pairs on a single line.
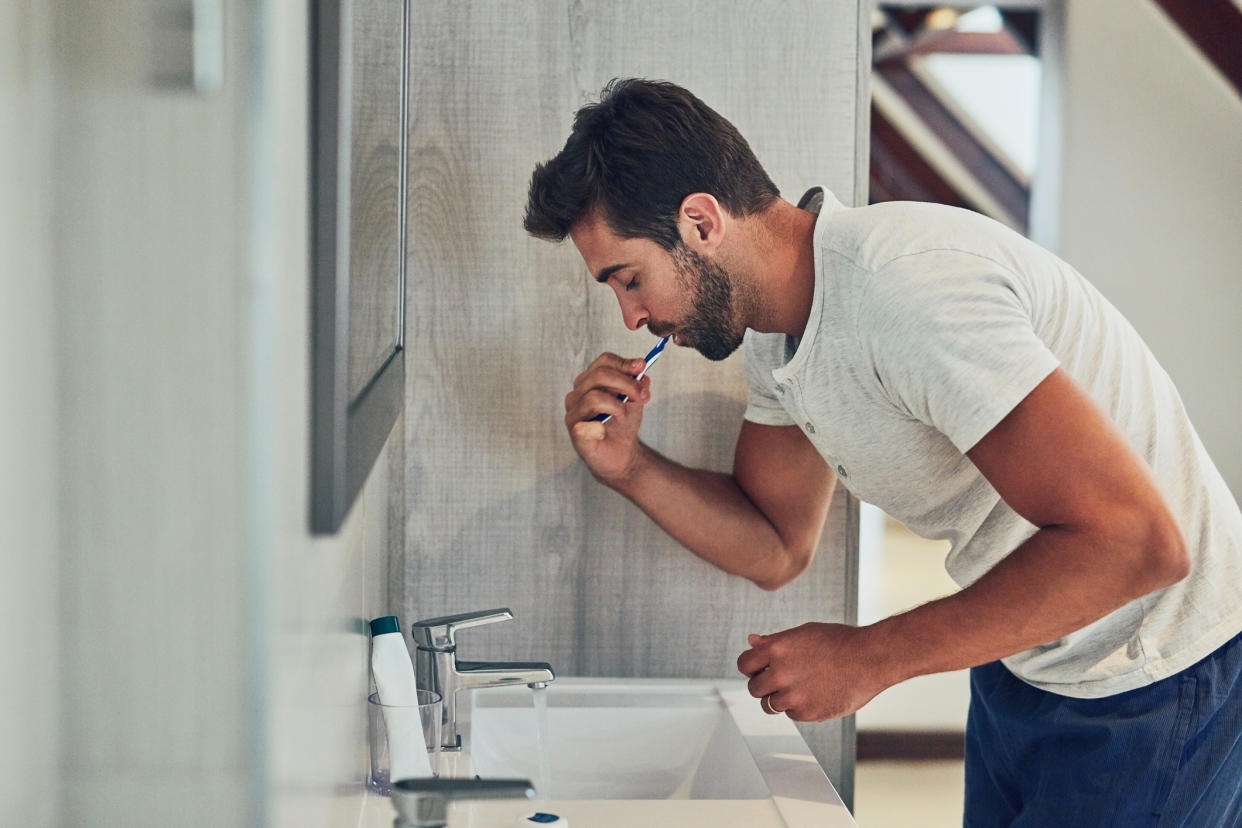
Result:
{"points": [[955, 97]]}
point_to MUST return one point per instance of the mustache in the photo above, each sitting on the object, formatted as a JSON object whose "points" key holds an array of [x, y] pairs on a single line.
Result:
{"points": [[661, 329]]}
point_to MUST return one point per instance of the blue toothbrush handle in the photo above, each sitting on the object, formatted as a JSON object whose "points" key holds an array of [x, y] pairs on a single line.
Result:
{"points": [[651, 357]]}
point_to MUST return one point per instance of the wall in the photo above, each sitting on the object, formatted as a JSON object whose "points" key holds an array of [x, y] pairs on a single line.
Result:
{"points": [[500, 511], [318, 592], [29, 734], [150, 362], [898, 570], [178, 648], [1152, 168]]}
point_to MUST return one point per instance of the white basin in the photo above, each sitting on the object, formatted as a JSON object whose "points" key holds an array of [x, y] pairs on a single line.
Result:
{"points": [[664, 752], [677, 742]]}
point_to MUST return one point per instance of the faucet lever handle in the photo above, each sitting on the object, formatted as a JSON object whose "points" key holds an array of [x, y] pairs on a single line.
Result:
{"points": [[439, 633], [422, 803]]}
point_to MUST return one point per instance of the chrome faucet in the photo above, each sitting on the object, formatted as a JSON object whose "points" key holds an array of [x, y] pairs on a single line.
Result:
{"points": [[437, 668]]}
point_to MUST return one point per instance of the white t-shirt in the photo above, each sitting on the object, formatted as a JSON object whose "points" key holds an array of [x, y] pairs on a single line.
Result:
{"points": [[929, 324]]}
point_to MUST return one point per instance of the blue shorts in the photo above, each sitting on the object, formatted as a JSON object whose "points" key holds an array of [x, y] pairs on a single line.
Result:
{"points": [[1168, 754]]}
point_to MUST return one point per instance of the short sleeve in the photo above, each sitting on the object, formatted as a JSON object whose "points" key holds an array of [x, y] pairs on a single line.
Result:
{"points": [[952, 342], [763, 354]]}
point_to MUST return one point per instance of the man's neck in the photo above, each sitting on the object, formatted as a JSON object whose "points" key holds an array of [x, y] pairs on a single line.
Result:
{"points": [[782, 268]]}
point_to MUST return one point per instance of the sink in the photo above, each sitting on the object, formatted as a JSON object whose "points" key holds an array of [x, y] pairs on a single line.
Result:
{"points": [[676, 742], [657, 752]]}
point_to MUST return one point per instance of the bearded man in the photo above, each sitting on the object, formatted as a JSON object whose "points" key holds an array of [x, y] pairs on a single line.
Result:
{"points": [[975, 387]]}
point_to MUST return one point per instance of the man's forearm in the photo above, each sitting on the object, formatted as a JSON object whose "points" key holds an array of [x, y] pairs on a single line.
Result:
{"points": [[710, 514], [1058, 582]]}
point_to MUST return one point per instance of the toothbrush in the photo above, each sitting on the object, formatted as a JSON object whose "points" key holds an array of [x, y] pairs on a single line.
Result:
{"points": [[650, 359]]}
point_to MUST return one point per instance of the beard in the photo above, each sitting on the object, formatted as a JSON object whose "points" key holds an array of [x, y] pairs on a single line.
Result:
{"points": [[710, 327]]}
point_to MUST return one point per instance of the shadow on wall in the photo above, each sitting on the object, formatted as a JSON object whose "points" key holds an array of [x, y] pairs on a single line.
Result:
{"points": [[571, 557]]}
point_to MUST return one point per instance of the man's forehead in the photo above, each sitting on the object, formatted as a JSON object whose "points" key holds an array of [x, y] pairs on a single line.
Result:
{"points": [[603, 251], [593, 230]]}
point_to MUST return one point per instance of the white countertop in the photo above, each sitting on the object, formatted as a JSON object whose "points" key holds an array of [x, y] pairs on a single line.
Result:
{"points": [[802, 797]]}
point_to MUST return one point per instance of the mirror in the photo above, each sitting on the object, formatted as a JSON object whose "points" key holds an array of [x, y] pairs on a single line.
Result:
{"points": [[359, 94]]}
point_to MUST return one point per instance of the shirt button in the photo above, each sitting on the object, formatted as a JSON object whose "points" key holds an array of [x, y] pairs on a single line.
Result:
{"points": [[780, 389], [842, 472], [810, 428]]}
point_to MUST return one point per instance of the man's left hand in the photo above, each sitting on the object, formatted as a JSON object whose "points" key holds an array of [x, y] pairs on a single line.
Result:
{"points": [[813, 672]]}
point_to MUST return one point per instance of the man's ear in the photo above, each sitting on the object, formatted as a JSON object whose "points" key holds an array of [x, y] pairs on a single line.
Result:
{"points": [[702, 223]]}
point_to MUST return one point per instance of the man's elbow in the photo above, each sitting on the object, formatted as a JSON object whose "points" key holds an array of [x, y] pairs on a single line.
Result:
{"points": [[787, 563], [1166, 556], [1171, 553]]}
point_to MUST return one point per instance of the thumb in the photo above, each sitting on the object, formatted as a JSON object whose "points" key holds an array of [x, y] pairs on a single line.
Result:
{"points": [[755, 640], [589, 430]]}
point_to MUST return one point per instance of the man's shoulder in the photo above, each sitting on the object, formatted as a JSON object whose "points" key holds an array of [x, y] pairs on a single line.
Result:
{"points": [[888, 234]]}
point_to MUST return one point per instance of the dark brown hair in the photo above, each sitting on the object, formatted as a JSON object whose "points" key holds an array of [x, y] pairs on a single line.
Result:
{"points": [[635, 156]]}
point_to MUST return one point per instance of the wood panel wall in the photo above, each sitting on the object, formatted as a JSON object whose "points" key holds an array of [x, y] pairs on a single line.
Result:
{"points": [[500, 512]]}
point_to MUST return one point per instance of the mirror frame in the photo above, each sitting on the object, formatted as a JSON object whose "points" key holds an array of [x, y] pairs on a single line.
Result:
{"points": [[346, 435]]}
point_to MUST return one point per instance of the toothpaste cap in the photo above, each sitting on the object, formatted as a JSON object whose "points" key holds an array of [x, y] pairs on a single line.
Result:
{"points": [[386, 624]]}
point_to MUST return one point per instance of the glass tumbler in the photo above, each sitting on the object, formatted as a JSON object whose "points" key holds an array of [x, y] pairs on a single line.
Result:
{"points": [[398, 734]]}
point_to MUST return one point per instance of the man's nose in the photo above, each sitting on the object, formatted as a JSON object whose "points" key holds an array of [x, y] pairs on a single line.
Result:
{"points": [[635, 315]]}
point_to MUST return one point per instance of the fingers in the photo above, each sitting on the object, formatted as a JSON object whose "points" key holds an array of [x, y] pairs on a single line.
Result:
{"points": [[609, 360], [763, 684], [809, 672], [775, 704], [592, 403], [588, 430], [754, 660], [609, 375], [616, 372]]}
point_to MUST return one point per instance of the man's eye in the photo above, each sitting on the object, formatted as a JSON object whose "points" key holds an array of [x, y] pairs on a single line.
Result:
{"points": [[633, 283]]}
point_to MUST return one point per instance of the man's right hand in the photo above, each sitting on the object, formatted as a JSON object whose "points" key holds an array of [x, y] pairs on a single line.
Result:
{"points": [[610, 449]]}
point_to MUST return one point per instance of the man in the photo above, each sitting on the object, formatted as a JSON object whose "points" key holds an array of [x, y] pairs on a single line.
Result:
{"points": [[973, 386]]}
